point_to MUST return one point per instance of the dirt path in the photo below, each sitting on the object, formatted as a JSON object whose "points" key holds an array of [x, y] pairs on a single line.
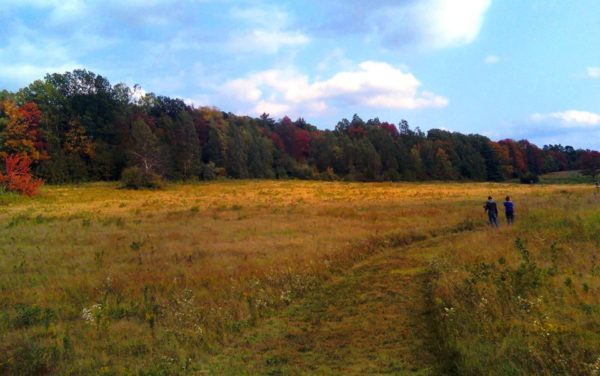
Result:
{"points": [[370, 321]]}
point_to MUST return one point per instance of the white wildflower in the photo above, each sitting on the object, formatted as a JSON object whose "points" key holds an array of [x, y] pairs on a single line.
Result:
{"points": [[92, 314]]}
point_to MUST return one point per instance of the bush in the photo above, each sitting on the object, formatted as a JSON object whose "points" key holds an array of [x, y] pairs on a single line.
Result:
{"points": [[302, 171], [529, 178], [136, 178], [327, 175], [18, 177], [208, 171]]}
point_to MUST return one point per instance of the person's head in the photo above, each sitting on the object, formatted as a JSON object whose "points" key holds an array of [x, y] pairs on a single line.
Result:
{"points": [[507, 198], [489, 197]]}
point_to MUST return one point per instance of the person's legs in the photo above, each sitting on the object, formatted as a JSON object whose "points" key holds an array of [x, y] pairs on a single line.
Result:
{"points": [[493, 219], [510, 218]]}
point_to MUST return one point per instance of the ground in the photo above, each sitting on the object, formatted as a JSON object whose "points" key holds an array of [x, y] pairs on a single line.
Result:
{"points": [[287, 277]]}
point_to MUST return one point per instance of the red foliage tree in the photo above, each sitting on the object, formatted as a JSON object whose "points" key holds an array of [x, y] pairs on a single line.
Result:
{"points": [[277, 141], [357, 131], [390, 129], [17, 177], [295, 140], [301, 144]]}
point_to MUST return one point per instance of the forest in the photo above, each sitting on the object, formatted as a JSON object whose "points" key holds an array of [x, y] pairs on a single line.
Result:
{"points": [[77, 127]]}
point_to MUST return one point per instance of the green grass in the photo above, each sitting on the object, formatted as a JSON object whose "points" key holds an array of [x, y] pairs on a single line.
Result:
{"points": [[566, 177]]}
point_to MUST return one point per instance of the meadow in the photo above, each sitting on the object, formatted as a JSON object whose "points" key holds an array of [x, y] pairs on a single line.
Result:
{"points": [[298, 277]]}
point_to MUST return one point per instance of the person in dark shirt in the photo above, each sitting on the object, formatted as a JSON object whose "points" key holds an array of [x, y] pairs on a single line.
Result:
{"points": [[509, 210], [492, 211]]}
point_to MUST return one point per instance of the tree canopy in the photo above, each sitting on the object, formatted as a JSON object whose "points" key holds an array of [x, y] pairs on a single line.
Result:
{"points": [[76, 127]]}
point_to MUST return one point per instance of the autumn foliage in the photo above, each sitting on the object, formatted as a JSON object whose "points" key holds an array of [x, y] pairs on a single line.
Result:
{"points": [[17, 176], [76, 127], [20, 131]]}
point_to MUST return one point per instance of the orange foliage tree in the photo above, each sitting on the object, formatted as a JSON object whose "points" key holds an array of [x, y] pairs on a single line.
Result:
{"points": [[19, 131], [17, 177], [20, 145]]}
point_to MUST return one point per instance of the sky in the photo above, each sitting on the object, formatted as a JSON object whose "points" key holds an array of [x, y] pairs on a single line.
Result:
{"points": [[503, 68]]}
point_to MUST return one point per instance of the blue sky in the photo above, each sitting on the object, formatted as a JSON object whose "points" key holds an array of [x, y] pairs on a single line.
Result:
{"points": [[503, 68]]}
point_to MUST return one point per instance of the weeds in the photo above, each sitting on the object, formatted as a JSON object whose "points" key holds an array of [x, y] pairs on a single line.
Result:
{"points": [[518, 315]]}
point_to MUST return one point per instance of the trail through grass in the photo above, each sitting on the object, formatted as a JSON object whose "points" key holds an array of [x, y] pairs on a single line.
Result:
{"points": [[372, 320], [289, 277]]}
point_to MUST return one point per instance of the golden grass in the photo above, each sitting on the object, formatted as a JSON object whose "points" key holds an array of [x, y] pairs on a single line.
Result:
{"points": [[179, 272], [524, 299]]}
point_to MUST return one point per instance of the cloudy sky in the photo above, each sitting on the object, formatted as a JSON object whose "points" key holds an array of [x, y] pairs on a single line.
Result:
{"points": [[503, 68]]}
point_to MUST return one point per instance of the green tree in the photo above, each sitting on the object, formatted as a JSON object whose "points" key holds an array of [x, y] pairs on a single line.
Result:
{"points": [[145, 150], [185, 147], [237, 159]]}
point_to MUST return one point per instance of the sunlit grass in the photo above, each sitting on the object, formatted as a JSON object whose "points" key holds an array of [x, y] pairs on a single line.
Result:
{"points": [[95, 278], [525, 299]]}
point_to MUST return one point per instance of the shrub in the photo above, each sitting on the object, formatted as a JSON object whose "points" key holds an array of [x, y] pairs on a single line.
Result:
{"points": [[208, 171], [18, 177], [327, 175], [302, 171], [136, 178]]}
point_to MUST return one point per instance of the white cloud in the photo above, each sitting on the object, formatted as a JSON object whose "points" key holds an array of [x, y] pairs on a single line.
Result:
{"points": [[492, 59], [431, 23], [245, 90], [335, 58], [266, 41], [593, 72], [372, 84], [263, 30], [28, 55], [265, 16], [455, 22], [21, 74], [571, 127], [378, 84], [273, 108], [570, 118]]}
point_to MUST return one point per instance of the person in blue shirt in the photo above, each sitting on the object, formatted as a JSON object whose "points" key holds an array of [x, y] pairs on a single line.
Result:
{"points": [[509, 210]]}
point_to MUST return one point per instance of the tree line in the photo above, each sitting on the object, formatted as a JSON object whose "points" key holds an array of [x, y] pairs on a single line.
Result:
{"points": [[77, 127]]}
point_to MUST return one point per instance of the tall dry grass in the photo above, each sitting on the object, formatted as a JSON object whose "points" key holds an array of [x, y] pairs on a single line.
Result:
{"points": [[94, 279], [523, 300]]}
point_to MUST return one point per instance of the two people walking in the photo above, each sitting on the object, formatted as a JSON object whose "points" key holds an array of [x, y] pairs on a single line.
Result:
{"points": [[491, 208]]}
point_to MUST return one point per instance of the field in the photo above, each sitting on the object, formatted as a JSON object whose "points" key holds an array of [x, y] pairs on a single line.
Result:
{"points": [[566, 177], [290, 277]]}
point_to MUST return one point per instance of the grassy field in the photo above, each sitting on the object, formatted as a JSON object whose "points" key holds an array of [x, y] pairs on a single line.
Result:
{"points": [[567, 177], [289, 277]]}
